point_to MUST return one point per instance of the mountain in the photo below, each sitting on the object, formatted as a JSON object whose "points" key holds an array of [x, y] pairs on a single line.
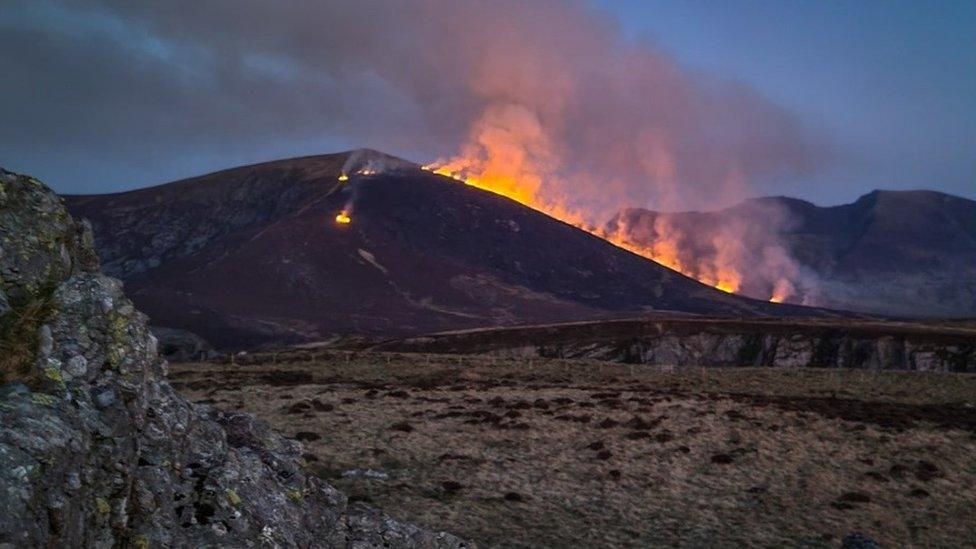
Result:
{"points": [[256, 255], [902, 253]]}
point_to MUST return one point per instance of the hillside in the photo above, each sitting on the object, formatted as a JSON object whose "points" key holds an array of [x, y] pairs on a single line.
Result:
{"points": [[904, 253], [255, 255]]}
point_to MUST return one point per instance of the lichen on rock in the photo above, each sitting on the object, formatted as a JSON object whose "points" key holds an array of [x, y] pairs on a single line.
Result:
{"points": [[98, 450]]}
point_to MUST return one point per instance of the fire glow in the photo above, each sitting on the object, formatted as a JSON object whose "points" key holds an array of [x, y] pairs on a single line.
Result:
{"points": [[343, 218], [508, 184]]}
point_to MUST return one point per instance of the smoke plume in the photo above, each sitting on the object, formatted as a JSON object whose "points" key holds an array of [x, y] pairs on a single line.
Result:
{"points": [[743, 249], [544, 101]]}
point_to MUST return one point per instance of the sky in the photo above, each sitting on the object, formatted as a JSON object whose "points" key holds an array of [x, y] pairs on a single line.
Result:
{"points": [[892, 83], [818, 99]]}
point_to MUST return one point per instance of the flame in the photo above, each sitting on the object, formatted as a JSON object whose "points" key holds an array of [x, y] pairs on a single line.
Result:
{"points": [[343, 218], [510, 152], [506, 182], [365, 171], [727, 286], [782, 290]]}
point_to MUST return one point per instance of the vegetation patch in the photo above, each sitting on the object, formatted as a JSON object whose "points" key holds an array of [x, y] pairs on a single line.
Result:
{"points": [[688, 457], [19, 338]]}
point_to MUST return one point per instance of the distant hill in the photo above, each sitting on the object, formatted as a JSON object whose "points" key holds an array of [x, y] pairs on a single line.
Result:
{"points": [[904, 253], [255, 255]]}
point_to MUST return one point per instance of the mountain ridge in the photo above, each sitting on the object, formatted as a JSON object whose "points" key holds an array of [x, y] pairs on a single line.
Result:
{"points": [[422, 253], [901, 253]]}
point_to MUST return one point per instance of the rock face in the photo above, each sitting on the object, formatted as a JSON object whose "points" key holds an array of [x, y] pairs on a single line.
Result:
{"points": [[825, 343], [422, 253], [177, 345], [98, 450]]}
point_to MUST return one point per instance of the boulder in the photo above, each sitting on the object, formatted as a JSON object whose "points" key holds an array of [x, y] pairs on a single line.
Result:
{"points": [[176, 345]]}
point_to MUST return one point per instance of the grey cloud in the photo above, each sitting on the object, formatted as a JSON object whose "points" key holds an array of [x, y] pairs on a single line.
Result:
{"points": [[624, 123]]}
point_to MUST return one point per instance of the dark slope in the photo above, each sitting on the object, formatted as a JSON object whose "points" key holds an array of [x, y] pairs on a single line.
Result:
{"points": [[910, 253], [254, 255]]}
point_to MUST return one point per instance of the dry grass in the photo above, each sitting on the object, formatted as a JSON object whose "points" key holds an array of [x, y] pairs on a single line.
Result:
{"points": [[19, 340], [571, 454]]}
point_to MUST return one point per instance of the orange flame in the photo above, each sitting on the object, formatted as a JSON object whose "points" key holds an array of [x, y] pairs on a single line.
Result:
{"points": [[510, 152], [727, 286], [343, 218], [781, 291], [343, 178], [507, 182]]}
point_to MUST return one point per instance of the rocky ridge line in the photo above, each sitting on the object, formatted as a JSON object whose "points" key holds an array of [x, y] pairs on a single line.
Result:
{"points": [[721, 342]]}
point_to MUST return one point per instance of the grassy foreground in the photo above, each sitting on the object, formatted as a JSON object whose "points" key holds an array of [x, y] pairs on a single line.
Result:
{"points": [[553, 453]]}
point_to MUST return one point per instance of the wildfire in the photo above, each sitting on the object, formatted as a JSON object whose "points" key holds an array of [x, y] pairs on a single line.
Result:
{"points": [[343, 218], [508, 184], [726, 286], [781, 291], [365, 172]]}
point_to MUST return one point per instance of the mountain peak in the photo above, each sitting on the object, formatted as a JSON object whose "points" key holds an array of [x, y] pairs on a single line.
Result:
{"points": [[371, 161], [390, 250]]}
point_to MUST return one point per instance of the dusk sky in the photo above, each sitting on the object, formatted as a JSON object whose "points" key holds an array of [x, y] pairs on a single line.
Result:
{"points": [[891, 83], [815, 99]]}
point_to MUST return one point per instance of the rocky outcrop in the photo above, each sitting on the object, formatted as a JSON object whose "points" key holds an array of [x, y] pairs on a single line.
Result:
{"points": [[98, 450], [827, 343], [177, 345]]}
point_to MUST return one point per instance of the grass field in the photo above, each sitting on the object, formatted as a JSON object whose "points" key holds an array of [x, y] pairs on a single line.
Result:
{"points": [[554, 453]]}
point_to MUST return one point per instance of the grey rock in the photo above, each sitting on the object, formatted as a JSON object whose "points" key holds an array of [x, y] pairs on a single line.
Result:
{"points": [[76, 366], [181, 345], [103, 397], [14, 388], [366, 473], [45, 343], [72, 481], [104, 453]]}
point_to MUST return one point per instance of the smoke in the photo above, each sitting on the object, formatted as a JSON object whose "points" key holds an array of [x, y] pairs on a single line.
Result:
{"points": [[544, 101], [551, 85], [360, 164], [370, 162], [744, 249]]}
